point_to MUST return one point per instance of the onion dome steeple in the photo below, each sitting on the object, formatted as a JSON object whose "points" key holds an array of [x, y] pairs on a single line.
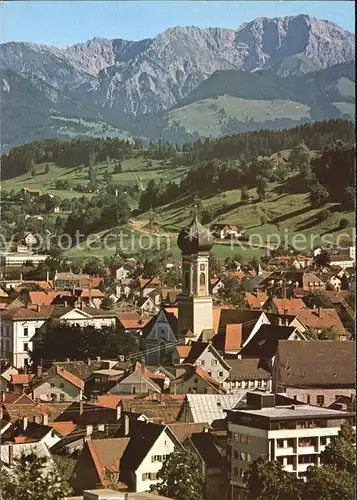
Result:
{"points": [[195, 238]]}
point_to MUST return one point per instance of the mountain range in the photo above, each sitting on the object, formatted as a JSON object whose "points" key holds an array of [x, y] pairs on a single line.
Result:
{"points": [[266, 73]]}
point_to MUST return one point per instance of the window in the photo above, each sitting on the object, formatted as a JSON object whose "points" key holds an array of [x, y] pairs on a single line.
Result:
{"points": [[220, 374], [295, 397], [202, 362], [61, 385], [235, 454], [214, 362], [26, 332], [52, 385], [26, 346], [37, 330], [210, 374], [323, 441], [249, 457], [157, 458], [320, 400], [195, 380], [152, 476], [62, 396], [26, 361], [260, 383], [239, 384], [235, 471], [242, 455], [251, 383], [202, 267], [280, 443], [145, 476], [308, 399], [133, 389], [54, 397]]}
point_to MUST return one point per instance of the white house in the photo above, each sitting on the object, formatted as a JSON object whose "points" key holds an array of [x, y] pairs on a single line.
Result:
{"points": [[58, 385], [19, 325]]}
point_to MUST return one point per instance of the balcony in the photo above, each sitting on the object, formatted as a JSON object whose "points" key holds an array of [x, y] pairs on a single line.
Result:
{"points": [[284, 451], [307, 450]]}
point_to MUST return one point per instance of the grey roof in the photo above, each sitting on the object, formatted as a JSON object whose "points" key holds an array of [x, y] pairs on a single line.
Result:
{"points": [[211, 407], [298, 411]]}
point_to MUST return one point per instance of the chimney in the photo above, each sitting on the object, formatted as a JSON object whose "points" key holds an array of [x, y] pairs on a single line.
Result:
{"points": [[47, 276], [38, 307], [24, 423], [126, 425], [65, 303], [319, 312], [280, 321], [68, 360], [11, 454], [88, 361], [118, 408], [98, 358], [81, 407], [45, 419]]}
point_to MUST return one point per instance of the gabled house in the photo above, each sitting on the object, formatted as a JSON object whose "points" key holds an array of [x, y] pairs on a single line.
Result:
{"points": [[159, 337], [316, 372], [216, 284], [134, 459], [195, 380], [255, 301], [140, 381], [205, 356], [180, 353], [319, 318], [147, 286], [264, 343], [58, 385], [23, 431], [234, 329], [21, 382], [224, 231], [148, 306]]}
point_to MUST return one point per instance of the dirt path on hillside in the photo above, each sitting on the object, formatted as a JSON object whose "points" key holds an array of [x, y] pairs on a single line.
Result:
{"points": [[139, 225]]}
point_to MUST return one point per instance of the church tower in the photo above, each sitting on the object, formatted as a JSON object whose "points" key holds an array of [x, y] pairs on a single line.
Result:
{"points": [[195, 303]]}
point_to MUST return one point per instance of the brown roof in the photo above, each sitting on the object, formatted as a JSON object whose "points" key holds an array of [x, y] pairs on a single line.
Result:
{"points": [[72, 379], [21, 378], [183, 430], [106, 455], [316, 363], [109, 400], [256, 300], [320, 318], [132, 320], [233, 337], [63, 428], [288, 304], [249, 368]]}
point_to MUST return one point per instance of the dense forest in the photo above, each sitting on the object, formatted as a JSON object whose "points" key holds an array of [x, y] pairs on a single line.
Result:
{"points": [[74, 153]]}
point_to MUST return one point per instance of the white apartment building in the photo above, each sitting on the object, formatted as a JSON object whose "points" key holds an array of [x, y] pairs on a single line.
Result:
{"points": [[19, 325], [294, 435]]}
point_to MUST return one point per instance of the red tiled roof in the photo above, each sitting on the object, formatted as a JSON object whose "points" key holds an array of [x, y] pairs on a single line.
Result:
{"points": [[109, 400], [72, 379], [63, 428], [21, 378], [93, 293], [255, 301], [131, 320], [183, 350], [233, 337], [288, 304], [323, 318]]}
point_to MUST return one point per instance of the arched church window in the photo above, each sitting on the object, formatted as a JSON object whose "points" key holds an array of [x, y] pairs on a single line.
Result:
{"points": [[202, 279]]}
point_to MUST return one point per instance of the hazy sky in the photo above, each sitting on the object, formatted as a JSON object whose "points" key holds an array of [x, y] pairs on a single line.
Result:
{"points": [[66, 22]]}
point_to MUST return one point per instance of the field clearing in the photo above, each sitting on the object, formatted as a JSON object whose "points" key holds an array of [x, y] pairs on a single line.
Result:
{"points": [[205, 117], [134, 171]]}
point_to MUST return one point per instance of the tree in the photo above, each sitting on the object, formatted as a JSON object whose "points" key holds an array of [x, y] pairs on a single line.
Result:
{"points": [[344, 222], [322, 259], [244, 195], [32, 478], [350, 196], [335, 478], [180, 476], [33, 171], [318, 195], [317, 299], [341, 450], [118, 168], [47, 169], [263, 220], [232, 292], [299, 156], [266, 480], [262, 185], [327, 333]]}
